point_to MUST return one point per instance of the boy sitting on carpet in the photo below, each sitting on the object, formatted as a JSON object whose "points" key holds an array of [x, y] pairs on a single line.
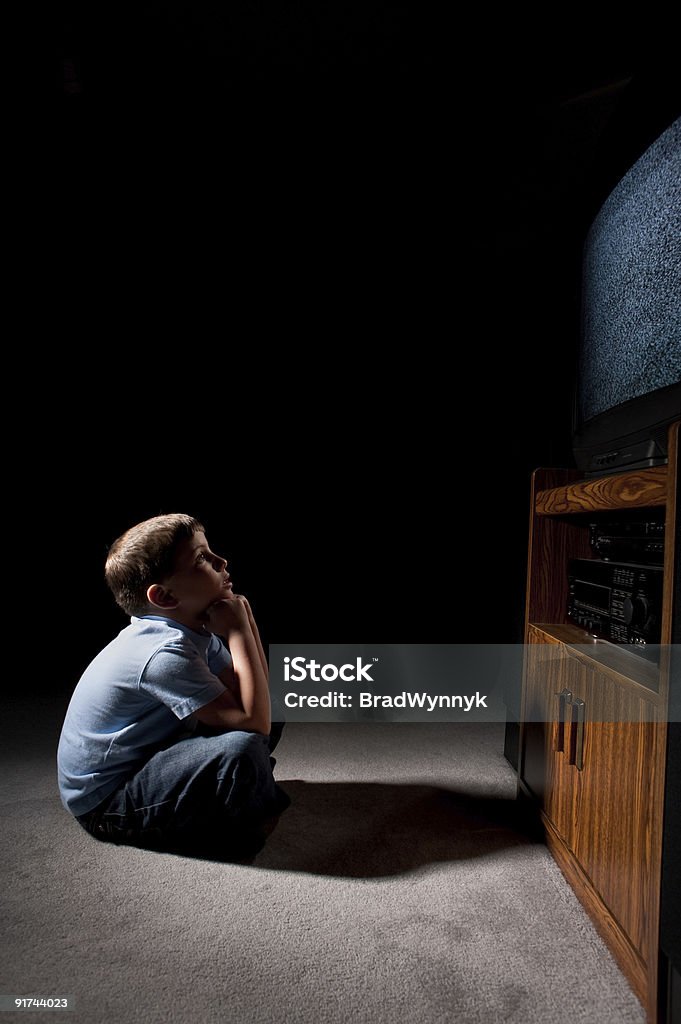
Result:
{"points": [[130, 770]]}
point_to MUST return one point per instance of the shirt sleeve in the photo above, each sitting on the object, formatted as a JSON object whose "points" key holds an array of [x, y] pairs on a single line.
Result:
{"points": [[178, 676], [217, 655]]}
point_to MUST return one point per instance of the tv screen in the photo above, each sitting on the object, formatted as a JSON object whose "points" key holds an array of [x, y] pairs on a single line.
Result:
{"points": [[629, 372]]}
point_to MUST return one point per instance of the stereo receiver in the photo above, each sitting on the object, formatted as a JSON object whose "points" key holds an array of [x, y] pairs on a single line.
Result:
{"points": [[616, 601], [640, 541]]}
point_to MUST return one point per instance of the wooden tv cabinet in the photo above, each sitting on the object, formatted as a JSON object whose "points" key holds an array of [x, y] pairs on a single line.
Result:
{"points": [[594, 718]]}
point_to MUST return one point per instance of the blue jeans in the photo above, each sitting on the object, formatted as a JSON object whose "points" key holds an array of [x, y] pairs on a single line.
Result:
{"points": [[202, 790]]}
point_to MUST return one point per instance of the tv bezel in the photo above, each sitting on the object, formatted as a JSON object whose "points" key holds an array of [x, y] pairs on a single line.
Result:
{"points": [[641, 419]]}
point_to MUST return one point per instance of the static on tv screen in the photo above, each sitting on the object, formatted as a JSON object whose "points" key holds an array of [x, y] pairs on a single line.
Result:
{"points": [[631, 284]]}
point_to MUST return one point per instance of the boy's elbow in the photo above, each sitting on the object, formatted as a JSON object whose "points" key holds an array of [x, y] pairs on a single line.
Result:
{"points": [[249, 723], [221, 714], [261, 725]]}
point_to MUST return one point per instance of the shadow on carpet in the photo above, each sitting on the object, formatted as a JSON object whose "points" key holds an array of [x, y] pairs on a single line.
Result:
{"points": [[369, 830]]}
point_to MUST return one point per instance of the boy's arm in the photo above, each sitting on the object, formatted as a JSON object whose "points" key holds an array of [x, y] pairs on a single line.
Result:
{"points": [[249, 684], [227, 676], [256, 634]]}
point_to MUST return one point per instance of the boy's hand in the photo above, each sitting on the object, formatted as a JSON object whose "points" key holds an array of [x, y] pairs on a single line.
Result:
{"points": [[244, 601], [228, 615]]}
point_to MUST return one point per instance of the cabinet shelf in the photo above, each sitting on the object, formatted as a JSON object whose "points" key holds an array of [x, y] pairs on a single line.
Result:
{"points": [[623, 666], [646, 488]]}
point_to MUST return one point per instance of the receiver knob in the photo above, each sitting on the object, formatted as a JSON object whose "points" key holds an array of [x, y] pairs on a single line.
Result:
{"points": [[640, 611]]}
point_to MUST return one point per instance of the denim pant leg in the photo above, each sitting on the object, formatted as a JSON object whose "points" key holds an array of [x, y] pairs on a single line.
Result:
{"points": [[275, 736], [278, 721], [202, 786]]}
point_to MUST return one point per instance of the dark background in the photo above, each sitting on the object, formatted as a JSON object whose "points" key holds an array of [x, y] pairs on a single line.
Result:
{"points": [[323, 265]]}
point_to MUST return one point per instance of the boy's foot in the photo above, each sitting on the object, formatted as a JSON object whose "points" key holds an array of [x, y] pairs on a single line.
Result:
{"points": [[244, 848], [281, 801], [238, 846]]}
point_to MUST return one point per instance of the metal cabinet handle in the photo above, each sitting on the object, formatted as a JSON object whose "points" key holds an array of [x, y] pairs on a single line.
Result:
{"points": [[564, 698], [577, 734]]}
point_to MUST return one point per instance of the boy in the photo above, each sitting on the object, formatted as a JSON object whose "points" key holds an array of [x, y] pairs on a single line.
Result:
{"points": [[167, 738]]}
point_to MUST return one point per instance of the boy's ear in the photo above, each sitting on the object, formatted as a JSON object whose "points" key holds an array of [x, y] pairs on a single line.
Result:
{"points": [[161, 597]]}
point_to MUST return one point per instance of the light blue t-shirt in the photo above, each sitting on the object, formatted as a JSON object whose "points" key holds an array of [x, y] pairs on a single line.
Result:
{"points": [[130, 700]]}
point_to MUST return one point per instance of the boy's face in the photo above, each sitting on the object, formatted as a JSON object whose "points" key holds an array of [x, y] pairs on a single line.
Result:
{"points": [[199, 579]]}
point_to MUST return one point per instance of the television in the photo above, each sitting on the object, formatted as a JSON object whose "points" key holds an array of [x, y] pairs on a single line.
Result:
{"points": [[629, 366]]}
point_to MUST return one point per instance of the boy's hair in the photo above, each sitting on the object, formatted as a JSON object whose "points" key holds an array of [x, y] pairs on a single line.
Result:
{"points": [[143, 555]]}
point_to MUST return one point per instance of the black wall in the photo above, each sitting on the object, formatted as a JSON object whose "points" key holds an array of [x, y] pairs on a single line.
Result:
{"points": [[332, 268]]}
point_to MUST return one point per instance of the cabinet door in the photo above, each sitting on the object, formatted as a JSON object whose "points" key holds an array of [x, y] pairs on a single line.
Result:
{"points": [[544, 766], [613, 825]]}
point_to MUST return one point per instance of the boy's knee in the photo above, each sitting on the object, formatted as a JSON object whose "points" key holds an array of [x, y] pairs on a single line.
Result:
{"points": [[246, 746], [246, 742], [245, 777]]}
